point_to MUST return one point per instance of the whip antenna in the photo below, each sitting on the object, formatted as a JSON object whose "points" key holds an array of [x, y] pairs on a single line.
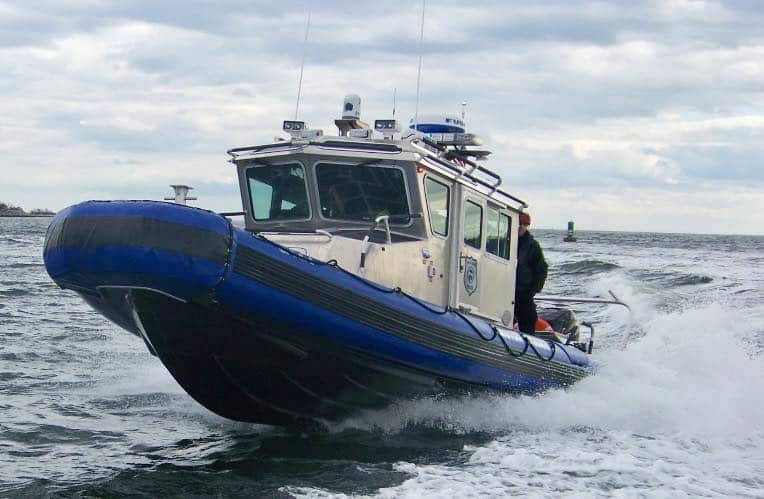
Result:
{"points": [[302, 65], [419, 70]]}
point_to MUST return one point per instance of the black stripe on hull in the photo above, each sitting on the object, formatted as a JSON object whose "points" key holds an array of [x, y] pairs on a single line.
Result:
{"points": [[250, 370], [91, 232], [270, 272]]}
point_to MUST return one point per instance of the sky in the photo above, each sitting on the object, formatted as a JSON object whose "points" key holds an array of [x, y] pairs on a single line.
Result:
{"points": [[631, 116]]}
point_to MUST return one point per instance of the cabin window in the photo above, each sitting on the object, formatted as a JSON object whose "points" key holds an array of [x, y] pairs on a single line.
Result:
{"points": [[362, 192], [278, 192], [473, 224], [497, 237], [437, 196]]}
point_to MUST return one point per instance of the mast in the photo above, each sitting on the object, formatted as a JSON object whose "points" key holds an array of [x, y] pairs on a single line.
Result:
{"points": [[302, 65], [419, 69]]}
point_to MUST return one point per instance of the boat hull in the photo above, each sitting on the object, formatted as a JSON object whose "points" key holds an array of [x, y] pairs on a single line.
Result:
{"points": [[256, 333]]}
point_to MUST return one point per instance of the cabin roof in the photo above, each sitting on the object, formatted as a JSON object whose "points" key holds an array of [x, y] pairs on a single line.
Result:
{"points": [[415, 148]]}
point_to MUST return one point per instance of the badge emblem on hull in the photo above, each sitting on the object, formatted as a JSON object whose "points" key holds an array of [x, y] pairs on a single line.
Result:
{"points": [[470, 275]]}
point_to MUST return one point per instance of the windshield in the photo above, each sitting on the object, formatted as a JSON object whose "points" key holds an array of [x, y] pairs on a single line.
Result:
{"points": [[278, 192], [362, 192]]}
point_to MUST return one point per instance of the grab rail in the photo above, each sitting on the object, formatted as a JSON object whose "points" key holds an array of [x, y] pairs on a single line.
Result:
{"points": [[365, 243], [238, 152], [469, 174], [317, 232], [604, 301]]}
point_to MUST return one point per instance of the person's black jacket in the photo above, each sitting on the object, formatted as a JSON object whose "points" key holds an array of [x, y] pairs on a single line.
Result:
{"points": [[531, 266]]}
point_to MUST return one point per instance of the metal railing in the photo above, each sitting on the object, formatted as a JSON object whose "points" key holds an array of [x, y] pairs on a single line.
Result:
{"points": [[488, 179], [603, 301]]}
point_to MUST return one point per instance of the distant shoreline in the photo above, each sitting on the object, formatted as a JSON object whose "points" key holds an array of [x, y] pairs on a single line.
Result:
{"points": [[27, 215], [9, 210]]}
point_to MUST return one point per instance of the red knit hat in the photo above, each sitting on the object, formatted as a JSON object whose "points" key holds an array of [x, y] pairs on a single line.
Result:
{"points": [[525, 219]]}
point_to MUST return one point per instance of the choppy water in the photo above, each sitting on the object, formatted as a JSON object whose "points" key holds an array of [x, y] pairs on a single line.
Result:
{"points": [[85, 410]]}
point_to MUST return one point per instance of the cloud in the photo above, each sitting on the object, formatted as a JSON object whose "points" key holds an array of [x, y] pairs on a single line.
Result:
{"points": [[660, 99]]}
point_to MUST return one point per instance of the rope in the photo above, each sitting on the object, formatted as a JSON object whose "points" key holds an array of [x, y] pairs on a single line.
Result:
{"points": [[537, 352], [565, 351], [511, 352], [227, 266], [504, 342]]}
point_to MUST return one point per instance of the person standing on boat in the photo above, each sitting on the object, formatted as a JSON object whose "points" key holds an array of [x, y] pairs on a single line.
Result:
{"points": [[531, 275]]}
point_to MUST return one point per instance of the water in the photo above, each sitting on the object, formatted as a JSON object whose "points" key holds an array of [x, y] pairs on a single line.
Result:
{"points": [[85, 410]]}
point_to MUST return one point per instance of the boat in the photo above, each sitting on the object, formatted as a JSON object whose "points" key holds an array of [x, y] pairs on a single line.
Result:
{"points": [[373, 266]]}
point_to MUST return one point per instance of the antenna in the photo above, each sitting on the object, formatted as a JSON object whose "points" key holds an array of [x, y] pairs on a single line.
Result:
{"points": [[302, 64], [419, 70], [464, 106], [395, 90]]}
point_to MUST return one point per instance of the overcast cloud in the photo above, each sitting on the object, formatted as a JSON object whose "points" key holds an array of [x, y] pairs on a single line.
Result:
{"points": [[620, 115]]}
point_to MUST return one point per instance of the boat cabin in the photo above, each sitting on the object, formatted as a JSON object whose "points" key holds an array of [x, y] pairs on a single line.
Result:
{"points": [[406, 209]]}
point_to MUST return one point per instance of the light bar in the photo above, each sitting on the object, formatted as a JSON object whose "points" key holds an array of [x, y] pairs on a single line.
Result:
{"points": [[456, 139], [386, 126], [298, 130], [293, 126]]}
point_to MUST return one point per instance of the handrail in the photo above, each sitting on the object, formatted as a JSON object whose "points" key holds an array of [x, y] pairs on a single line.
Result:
{"points": [[604, 301], [462, 172], [496, 185], [365, 243], [386, 220], [358, 146], [317, 232], [468, 161], [284, 145]]}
